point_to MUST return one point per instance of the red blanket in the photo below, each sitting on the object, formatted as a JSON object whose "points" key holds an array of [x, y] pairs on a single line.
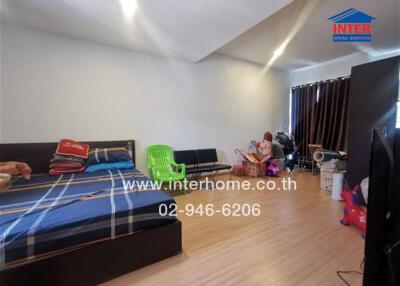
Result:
{"points": [[66, 165], [58, 170]]}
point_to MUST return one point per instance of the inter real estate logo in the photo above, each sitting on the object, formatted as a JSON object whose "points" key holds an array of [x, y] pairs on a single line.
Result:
{"points": [[351, 25]]}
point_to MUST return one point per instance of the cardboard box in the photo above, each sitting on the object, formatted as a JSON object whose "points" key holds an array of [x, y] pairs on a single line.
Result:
{"points": [[254, 170]]}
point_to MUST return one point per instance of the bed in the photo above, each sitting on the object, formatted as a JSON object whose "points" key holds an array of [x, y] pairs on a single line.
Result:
{"points": [[80, 229]]}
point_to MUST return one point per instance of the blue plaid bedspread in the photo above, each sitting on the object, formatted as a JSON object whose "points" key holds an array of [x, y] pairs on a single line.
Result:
{"points": [[49, 214]]}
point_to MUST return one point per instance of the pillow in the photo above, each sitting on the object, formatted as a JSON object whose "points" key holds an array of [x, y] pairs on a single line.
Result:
{"points": [[108, 155], [72, 148], [110, 166]]}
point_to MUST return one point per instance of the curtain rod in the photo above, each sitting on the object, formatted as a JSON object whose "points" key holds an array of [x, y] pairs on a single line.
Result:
{"points": [[332, 79]]}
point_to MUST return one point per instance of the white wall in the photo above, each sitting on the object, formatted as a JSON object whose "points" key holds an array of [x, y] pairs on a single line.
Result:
{"points": [[55, 87], [335, 68], [328, 70]]}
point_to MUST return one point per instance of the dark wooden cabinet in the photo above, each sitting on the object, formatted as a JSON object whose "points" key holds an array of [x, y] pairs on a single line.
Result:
{"points": [[372, 103]]}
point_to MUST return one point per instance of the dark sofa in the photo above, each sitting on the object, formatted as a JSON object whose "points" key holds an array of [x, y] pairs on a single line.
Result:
{"points": [[200, 161]]}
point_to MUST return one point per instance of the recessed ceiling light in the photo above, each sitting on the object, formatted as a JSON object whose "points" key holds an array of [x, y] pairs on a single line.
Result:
{"points": [[128, 7]]}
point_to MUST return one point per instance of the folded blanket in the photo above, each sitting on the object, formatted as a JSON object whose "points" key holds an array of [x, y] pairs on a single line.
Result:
{"points": [[66, 165], [66, 159], [59, 170], [69, 157]]}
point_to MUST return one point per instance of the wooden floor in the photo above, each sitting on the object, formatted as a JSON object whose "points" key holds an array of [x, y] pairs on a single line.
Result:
{"points": [[297, 240]]}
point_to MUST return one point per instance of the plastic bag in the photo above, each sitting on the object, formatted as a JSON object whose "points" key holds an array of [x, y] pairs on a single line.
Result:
{"points": [[364, 188]]}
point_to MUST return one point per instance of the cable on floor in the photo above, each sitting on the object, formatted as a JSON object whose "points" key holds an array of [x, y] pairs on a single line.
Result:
{"points": [[340, 273]]}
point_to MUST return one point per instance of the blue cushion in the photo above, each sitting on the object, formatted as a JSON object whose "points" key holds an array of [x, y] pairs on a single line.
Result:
{"points": [[110, 166]]}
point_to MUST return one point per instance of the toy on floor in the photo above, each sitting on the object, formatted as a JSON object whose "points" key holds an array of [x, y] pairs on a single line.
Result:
{"points": [[353, 213], [265, 147], [242, 155], [238, 170], [258, 160], [254, 146], [272, 169], [253, 157]]}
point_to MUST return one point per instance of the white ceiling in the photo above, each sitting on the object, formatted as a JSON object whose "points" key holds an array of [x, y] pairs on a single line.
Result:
{"points": [[312, 33], [192, 29], [184, 29]]}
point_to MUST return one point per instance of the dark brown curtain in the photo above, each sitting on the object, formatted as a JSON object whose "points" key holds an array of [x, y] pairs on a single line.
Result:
{"points": [[319, 115], [303, 113], [330, 128]]}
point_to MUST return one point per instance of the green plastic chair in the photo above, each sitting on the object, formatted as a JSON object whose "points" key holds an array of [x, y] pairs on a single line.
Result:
{"points": [[162, 165]]}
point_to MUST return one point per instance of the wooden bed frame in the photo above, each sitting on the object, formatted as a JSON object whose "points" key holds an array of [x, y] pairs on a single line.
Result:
{"points": [[97, 262]]}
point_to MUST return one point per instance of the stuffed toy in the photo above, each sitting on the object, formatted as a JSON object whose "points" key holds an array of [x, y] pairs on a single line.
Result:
{"points": [[353, 213]]}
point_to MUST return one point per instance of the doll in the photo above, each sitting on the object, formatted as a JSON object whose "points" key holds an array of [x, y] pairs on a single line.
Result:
{"points": [[266, 146]]}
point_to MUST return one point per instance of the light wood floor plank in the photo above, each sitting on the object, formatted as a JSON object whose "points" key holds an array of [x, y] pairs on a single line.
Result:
{"points": [[297, 240]]}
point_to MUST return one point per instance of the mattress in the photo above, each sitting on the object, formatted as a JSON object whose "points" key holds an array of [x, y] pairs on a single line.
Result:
{"points": [[49, 214]]}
